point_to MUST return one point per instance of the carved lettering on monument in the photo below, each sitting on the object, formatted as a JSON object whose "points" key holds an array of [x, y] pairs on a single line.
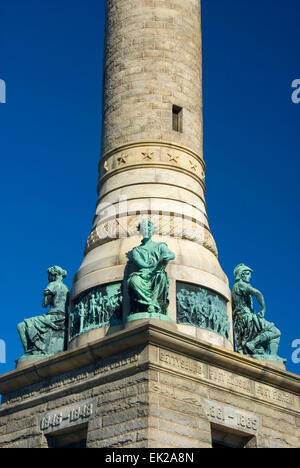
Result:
{"points": [[68, 416], [272, 394], [230, 380], [73, 378], [230, 416], [175, 393], [227, 380], [180, 362], [116, 363]]}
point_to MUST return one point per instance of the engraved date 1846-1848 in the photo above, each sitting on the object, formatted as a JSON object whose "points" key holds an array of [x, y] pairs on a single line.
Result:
{"points": [[68, 416]]}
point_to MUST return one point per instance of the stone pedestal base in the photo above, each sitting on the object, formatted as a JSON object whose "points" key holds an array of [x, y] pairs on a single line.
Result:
{"points": [[147, 316], [149, 386], [25, 361]]}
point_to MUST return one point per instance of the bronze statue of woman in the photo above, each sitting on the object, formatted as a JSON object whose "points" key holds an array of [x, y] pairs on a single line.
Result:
{"points": [[44, 335], [148, 287]]}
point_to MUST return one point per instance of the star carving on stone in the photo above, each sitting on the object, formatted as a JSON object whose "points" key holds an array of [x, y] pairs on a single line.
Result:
{"points": [[193, 166], [173, 158], [147, 155], [122, 159]]}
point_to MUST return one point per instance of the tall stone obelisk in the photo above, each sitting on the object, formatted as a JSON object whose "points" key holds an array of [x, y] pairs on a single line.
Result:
{"points": [[144, 379], [152, 163]]}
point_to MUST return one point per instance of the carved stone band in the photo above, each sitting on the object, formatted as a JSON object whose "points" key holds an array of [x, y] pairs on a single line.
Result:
{"points": [[147, 154], [168, 225]]}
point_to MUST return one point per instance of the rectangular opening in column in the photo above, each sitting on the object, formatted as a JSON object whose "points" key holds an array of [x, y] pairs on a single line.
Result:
{"points": [[177, 116]]}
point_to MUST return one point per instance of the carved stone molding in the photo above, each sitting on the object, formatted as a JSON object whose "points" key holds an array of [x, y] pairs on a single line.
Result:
{"points": [[168, 225], [211, 365], [162, 155]]}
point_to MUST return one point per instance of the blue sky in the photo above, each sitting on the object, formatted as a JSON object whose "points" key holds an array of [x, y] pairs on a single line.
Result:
{"points": [[50, 130]]}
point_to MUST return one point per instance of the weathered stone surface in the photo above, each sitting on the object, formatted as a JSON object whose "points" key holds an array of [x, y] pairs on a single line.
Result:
{"points": [[270, 423], [21, 424], [172, 439], [144, 397], [151, 169], [175, 417]]}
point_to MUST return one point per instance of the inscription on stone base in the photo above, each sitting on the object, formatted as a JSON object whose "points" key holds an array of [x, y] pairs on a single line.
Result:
{"points": [[227, 380], [112, 364], [232, 417], [68, 416], [179, 362]]}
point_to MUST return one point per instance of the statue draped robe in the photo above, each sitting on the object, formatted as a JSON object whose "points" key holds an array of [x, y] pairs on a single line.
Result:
{"points": [[44, 334], [249, 325], [149, 287]]}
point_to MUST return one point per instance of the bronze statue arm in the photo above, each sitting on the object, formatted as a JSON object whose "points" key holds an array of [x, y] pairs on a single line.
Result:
{"points": [[140, 262], [167, 254], [260, 299], [48, 296]]}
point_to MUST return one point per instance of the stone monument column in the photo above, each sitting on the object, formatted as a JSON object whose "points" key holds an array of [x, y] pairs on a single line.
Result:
{"points": [[152, 168], [150, 360]]}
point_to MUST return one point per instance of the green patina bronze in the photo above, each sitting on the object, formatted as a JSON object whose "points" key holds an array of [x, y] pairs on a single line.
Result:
{"points": [[200, 307], [254, 336], [45, 335], [97, 308], [148, 286]]}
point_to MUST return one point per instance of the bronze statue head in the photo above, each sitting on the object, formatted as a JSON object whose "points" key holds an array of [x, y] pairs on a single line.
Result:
{"points": [[240, 271], [56, 272], [146, 228]]}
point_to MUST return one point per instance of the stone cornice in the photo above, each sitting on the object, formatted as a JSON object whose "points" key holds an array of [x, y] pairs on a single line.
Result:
{"points": [[140, 335]]}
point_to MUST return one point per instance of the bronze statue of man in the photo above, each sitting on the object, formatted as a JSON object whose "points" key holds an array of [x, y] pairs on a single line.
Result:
{"points": [[254, 336]]}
